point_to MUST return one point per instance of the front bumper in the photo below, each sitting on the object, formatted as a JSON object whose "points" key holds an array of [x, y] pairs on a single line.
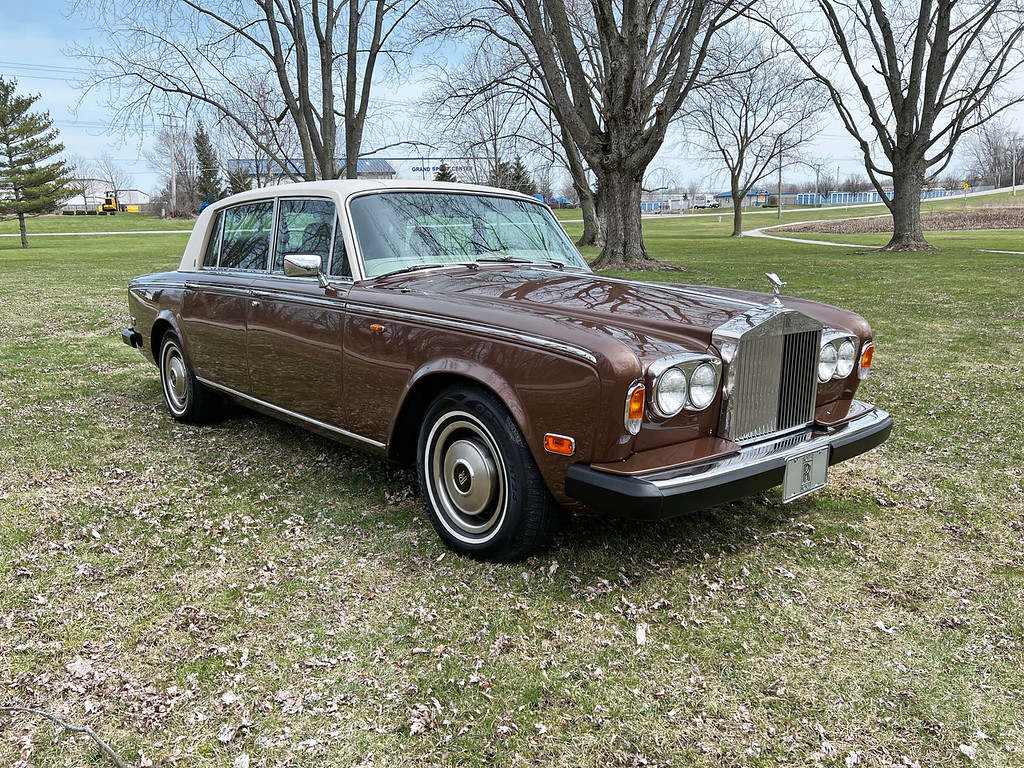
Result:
{"points": [[754, 468]]}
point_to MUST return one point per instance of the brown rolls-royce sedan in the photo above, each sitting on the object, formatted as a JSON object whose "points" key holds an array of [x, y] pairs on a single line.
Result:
{"points": [[456, 328]]}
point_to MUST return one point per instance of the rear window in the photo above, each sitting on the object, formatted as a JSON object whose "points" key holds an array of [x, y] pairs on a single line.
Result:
{"points": [[244, 237]]}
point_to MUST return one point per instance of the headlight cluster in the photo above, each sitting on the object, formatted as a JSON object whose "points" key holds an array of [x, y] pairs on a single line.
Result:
{"points": [[687, 381], [837, 358]]}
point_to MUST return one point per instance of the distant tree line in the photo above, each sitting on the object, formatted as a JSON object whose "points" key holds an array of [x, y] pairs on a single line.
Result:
{"points": [[593, 87]]}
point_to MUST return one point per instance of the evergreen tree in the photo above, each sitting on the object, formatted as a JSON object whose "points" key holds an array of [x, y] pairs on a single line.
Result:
{"points": [[239, 180], [29, 185], [209, 187], [518, 178], [444, 173]]}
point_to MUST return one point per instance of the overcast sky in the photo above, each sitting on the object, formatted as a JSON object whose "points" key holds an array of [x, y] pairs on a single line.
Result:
{"points": [[34, 32]]}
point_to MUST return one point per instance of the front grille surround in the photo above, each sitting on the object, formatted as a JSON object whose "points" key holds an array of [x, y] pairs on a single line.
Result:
{"points": [[771, 361]]}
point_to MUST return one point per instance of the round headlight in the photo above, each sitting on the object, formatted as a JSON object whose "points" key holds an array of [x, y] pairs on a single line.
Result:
{"points": [[827, 362], [703, 386], [670, 392], [847, 359]]}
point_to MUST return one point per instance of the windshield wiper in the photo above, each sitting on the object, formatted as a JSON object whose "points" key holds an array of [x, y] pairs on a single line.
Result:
{"points": [[509, 259], [506, 259], [430, 265]]}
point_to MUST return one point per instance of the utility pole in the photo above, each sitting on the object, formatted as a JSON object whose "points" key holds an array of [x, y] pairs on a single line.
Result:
{"points": [[1014, 177], [174, 173], [780, 176], [817, 174]]}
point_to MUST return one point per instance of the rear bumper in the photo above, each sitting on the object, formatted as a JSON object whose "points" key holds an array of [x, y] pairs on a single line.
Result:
{"points": [[752, 469], [132, 338]]}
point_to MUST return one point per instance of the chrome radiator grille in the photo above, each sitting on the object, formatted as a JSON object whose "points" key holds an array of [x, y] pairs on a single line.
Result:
{"points": [[772, 373]]}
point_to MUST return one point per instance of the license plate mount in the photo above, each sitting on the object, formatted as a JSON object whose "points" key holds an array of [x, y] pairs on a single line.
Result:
{"points": [[805, 473]]}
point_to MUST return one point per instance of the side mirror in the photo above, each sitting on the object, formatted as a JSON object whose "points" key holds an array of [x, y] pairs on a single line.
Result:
{"points": [[304, 265]]}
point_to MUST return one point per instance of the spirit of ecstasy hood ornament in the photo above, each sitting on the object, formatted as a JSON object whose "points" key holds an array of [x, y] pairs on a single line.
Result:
{"points": [[777, 284]]}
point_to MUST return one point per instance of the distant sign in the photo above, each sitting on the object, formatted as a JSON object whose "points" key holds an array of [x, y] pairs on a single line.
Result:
{"points": [[436, 168]]}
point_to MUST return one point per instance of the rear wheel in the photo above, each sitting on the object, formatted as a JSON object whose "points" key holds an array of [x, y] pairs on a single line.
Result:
{"points": [[482, 489], [186, 398]]}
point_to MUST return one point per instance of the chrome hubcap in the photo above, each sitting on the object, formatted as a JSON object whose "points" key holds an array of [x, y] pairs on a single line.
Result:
{"points": [[470, 476], [467, 483], [175, 378]]}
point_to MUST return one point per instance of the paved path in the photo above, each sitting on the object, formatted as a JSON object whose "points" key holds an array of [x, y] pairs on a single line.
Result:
{"points": [[761, 233]]}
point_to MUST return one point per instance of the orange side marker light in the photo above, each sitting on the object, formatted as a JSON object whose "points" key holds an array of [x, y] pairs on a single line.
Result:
{"points": [[560, 444]]}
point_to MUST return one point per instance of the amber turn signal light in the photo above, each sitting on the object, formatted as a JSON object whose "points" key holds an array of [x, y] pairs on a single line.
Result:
{"points": [[560, 444], [636, 403], [635, 399], [865, 359]]}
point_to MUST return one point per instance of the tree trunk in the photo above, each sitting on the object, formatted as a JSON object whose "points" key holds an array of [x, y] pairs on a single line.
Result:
{"points": [[905, 207], [24, 234], [593, 229], [737, 213], [620, 206]]}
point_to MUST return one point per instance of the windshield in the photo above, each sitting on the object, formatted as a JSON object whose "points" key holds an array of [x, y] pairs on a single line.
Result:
{"points": [[408, 230]]}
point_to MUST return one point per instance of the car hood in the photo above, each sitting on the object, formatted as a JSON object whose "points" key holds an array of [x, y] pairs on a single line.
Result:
{"points": [[652, 318]]}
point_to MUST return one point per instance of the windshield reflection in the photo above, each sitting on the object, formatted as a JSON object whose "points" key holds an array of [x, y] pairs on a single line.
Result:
{"points": [[403, 231]]}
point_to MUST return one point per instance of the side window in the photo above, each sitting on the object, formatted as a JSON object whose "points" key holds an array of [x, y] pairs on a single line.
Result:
{"points": [[213, 246], [245, 243], [305, 227], [339, 262]]}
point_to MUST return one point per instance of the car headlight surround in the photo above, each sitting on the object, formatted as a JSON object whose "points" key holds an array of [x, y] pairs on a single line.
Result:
{"points": [[703, 386], [827, 359], [687, 381], [670, 392], [847, 358]]}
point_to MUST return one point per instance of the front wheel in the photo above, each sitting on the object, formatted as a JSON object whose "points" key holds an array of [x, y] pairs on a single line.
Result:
{"points": [[482, 489], [186, 398]]}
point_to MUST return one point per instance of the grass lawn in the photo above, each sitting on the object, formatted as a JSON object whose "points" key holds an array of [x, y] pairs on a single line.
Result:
{"points": [[199, 594], [120, 222]]}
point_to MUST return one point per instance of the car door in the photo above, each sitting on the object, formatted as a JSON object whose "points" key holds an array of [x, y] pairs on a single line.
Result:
{"points": [[216, 300], [295, 327]]}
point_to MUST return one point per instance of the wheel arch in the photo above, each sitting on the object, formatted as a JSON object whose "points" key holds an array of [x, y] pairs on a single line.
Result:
{"points": [[426, 385], [163, 323]]}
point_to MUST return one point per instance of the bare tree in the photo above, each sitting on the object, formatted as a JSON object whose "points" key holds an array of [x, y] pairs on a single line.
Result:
{"points": [[989, 153], [855, 183], [756, 114], [494, 96], [110, 171], [952, 180], [176, 148], [616, 73], [324, 56], [923, 75]]}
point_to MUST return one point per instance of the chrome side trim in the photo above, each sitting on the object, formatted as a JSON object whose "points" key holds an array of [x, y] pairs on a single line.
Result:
{"points": [[462, 325], [229, 290], [312, 301], [293, 415], [142, 283]]}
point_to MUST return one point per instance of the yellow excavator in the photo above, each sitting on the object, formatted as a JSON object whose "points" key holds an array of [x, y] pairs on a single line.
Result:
{"points": [[111, 206]]}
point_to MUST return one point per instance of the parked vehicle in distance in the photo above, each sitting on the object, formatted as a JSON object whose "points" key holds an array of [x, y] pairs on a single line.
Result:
{"points": [[457, 329], [706, 201]]}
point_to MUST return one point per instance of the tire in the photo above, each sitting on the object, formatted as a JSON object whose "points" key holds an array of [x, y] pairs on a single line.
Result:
{"points": [[481, 487], [186, 398]]}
